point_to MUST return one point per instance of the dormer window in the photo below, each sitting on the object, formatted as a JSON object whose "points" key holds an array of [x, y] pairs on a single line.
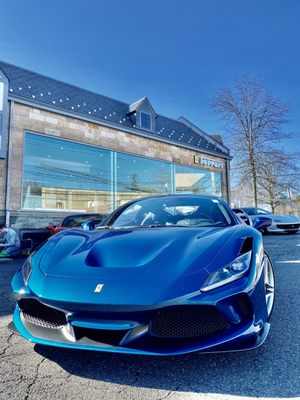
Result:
{"points": [[146, 121], [142, 115]]}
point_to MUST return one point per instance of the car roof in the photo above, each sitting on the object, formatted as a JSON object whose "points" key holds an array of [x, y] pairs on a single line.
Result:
{"points": [[83, 215]]}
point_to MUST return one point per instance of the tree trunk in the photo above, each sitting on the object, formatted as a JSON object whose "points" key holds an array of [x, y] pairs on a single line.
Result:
{"points": [[253, 175]]}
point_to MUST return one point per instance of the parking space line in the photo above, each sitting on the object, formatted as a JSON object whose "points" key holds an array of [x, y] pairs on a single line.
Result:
{"points": [[288, 262]]}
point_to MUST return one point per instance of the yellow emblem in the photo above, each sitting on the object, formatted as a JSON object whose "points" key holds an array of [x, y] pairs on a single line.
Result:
{"points": [[98, 288]]}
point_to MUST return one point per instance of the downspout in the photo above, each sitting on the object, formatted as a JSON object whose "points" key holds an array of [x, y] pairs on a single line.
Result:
{"points": [[8, 165], [228, 181]]}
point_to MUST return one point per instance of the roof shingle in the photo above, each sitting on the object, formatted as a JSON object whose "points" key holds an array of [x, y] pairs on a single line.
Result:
{"points": [[39, 89]]}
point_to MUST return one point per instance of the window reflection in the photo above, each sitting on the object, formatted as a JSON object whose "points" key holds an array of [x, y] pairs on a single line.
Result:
{"points": [[140, 177], [194, 180], [67, 176], [61, 175]]}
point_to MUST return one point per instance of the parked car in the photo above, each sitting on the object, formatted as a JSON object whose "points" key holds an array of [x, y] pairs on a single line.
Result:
{"points": [[280, 223], [260, 220], [35, 235], [75, 221], [165, 275]]}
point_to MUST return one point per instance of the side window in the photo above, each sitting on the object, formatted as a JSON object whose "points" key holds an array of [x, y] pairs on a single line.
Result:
{"points": [[128, 216]]}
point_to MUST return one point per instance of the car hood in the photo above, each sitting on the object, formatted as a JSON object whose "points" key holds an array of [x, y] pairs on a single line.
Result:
{"points": [[145, 265], [284, 218]]}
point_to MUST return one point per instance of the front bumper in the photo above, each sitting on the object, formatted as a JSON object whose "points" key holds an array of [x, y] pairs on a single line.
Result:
{"points": [[248, 338], [231, 321], [283, 227]]}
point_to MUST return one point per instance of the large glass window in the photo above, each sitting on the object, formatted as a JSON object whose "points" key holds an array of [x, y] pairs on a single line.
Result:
{"points": [[61, 175], [194, 180], [67, 176], [139, 177]]}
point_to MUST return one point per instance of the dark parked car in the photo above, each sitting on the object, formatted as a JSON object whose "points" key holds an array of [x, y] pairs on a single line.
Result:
{"points": [[75, 221]]}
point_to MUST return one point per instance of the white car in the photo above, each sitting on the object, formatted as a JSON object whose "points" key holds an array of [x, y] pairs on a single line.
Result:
{"points": [[280, 223]]}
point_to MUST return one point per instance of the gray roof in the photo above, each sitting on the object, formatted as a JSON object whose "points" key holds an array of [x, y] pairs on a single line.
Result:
{"points": [[44, 91]]}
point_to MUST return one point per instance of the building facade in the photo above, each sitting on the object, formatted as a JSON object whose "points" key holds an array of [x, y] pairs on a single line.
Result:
{"points": [[66, 150]]}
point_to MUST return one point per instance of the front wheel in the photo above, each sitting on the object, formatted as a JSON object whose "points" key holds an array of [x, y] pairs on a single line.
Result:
{"points": [[269, 284]]}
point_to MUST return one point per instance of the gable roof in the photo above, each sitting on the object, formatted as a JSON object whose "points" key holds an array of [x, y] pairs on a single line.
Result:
{"points": [[141, 102], [39, 90]]}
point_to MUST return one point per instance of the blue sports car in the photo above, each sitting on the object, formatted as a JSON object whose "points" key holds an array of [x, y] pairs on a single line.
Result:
{"points": [[164, 275]]}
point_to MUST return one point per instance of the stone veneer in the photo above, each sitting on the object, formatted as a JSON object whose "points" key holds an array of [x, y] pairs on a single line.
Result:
{"points": [[35, 120]]}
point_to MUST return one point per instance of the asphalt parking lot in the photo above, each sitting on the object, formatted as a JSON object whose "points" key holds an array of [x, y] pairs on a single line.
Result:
{"points": [[29, 371]]}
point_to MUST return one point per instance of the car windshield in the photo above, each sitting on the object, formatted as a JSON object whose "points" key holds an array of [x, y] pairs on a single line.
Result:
{"points": [[76, 220], [170, 212], [255, 211]]}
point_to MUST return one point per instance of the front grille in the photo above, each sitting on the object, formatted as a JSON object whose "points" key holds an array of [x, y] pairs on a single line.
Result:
{"points": [[188, 322], [39, 314], [288, 226]]}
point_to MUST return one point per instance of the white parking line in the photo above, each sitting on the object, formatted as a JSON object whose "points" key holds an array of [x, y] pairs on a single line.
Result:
{"points": [[288, 262]]}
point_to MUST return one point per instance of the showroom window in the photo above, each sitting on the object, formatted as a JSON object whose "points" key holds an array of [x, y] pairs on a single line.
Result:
{"points": [[139, 177], [194, 180], [66, 176]]}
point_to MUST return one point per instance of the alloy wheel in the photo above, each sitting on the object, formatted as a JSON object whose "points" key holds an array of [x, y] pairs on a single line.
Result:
{"points": [[269, 282]]}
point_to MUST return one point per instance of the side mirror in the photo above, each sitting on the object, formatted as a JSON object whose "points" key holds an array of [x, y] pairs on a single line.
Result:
{"points": [[261, 222], [88, 225]]}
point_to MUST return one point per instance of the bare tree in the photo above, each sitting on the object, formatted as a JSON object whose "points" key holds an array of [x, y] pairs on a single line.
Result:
{"points": [[254, 121], [277, 177]]}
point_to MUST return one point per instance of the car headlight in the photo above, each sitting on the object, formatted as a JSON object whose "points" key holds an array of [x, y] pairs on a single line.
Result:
{"points": [[236, 269], [26, 270]]}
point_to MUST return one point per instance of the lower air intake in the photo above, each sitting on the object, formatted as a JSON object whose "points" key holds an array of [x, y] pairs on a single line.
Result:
{"points": [[288, 226], [39, 314], [188, 322]]}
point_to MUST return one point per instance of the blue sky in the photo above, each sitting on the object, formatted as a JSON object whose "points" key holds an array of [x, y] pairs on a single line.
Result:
{"points": [[176, 52]]}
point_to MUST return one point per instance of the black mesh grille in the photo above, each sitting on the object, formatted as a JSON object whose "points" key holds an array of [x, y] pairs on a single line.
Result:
{"points": [[42, 315], [187, 322], [288, 226]]}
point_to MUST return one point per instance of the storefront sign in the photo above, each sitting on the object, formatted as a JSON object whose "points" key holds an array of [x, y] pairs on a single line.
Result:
{"points": [[208, 162]]}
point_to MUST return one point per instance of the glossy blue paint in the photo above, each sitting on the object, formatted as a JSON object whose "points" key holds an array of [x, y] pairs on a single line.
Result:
{"points": [[110, 281]]}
